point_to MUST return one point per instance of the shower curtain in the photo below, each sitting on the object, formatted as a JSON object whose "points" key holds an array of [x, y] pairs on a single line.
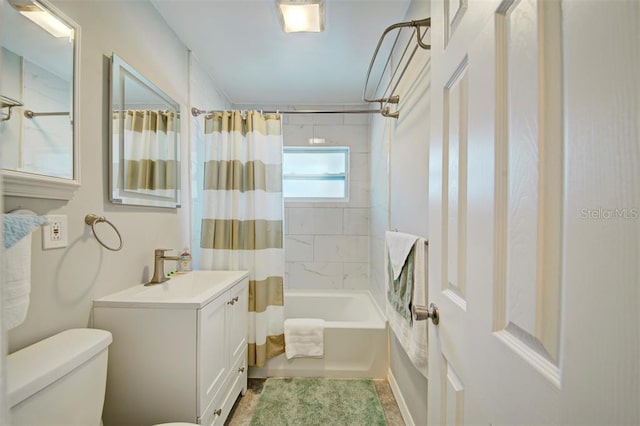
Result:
{"points": [[150, 155], [242, 217]]}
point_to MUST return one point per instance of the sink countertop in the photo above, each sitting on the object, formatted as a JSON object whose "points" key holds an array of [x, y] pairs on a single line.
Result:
{"points": [[189, 290]]}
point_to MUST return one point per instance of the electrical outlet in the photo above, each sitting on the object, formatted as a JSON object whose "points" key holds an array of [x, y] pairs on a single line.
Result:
{"points": [[54, 232]]}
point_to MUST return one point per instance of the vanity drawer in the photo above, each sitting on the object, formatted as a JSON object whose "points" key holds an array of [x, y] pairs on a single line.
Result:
{"points": [[214, 414], [236, 383]]}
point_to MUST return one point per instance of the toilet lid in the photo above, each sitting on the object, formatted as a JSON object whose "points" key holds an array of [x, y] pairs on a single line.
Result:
{"points": [[177, 424]]}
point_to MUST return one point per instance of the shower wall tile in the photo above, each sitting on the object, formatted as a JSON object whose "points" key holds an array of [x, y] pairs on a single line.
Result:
{"points": [[356, 276], [300, 221], [298, 248], [296, 134], [359, 166], [327, 221], [351, 119], [327, 242], [316, 275], [286, 279], [285, 225], [359, 194], [342, 248], [355, 137], [356, 221], [316, 118]]}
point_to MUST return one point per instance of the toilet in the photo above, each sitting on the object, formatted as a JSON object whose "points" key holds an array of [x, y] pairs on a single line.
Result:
{"points": [[60, 380]]}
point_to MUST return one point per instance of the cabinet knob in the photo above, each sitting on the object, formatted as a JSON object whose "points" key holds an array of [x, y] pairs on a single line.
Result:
{"points": [[217, 412], [232, 301], [241, 370]]}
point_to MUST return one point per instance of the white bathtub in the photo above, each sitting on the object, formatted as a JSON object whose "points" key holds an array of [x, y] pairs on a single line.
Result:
{"points": [[355, 339]]}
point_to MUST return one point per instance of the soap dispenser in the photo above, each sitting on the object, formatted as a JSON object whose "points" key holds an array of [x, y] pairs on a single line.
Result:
{"points": [[185, 260]]}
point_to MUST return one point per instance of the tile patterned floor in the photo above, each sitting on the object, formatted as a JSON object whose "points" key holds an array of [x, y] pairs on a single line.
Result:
{"points": [[246, 405]]}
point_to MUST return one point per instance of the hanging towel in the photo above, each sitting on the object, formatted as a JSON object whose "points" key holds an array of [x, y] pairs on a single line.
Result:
{"points": [[17, 230], [399, 245], [304, 337], [400, 249], [16, 226], [412, 335]]}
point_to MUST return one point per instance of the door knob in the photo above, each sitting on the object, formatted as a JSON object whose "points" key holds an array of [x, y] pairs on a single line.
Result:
{"points": [[421, 313]]}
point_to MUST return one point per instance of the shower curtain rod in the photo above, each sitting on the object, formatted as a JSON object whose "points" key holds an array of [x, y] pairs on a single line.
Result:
{"points": [[196, 112]]}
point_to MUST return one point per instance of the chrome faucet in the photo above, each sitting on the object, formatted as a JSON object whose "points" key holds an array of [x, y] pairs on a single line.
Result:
{"points": [[158, 266]]}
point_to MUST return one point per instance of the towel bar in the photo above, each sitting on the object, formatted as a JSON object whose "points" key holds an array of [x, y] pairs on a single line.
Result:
{"points": [[91, 219]]}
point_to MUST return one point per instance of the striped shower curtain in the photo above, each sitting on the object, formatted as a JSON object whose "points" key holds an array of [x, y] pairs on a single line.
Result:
{"points": [[242, 217], [150, 153]]}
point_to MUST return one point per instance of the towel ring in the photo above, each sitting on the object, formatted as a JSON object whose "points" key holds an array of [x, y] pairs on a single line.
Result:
{"points": [[91, 219]]}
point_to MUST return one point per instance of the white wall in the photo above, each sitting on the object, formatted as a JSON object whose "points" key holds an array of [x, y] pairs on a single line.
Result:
{"points": [[204, 96], [399, 198], [64, 281]]}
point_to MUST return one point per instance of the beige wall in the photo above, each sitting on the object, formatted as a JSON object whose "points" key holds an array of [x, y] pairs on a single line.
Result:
{"points": [[65, 281], [400, 196]]}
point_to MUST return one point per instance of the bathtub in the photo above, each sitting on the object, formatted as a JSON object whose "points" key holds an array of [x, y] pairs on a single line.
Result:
{"points": [[355, 338]]}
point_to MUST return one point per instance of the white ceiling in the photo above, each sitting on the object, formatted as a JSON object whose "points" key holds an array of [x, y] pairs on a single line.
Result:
{"points": [[252, 61]]}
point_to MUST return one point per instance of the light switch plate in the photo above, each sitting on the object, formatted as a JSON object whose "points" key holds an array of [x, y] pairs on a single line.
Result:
{"points": [[54, 232]]}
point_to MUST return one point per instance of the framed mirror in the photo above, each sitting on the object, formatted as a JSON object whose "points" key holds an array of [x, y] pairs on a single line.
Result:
{"points": [[39, 100], [145, 141]]}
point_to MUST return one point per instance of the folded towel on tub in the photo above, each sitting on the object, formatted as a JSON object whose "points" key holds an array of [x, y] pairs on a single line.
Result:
{"points": [[304, 337]]}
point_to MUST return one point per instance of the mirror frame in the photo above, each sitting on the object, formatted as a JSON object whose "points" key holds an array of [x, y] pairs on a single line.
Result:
{"points": [[117, 194], [24, 184]]}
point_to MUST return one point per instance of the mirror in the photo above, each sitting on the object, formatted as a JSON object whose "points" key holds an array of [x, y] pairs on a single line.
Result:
{"points": [[145, 141], [38, 114]]}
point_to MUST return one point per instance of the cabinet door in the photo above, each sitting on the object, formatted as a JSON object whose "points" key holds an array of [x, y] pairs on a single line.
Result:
{"points": [[238, 320], [213, 358]]}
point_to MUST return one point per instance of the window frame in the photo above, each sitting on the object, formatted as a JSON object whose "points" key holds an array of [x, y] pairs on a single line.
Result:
{"points": [[316, 176]]}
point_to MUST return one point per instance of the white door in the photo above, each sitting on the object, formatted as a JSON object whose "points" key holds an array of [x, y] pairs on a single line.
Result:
{"points": [[534, 212]]}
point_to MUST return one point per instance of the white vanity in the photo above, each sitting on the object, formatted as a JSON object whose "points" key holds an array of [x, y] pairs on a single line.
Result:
{"points": [[179, 350]]}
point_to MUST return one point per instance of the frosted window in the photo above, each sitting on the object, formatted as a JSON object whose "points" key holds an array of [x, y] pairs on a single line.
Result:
{"points": [[315, 172]]}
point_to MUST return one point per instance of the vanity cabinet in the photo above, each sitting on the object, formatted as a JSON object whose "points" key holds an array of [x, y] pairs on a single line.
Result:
{"points": [[223, 358], [179, 353]]}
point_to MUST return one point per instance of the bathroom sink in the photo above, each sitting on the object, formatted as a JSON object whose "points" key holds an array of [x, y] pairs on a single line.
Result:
{"points": [[195, 288]]}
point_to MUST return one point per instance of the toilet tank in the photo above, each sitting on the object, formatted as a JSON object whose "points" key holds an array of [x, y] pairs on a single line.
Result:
{"points": [[60, 380]]}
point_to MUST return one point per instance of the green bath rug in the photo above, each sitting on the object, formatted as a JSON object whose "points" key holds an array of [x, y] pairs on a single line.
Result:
{"points": [[307, 402]]}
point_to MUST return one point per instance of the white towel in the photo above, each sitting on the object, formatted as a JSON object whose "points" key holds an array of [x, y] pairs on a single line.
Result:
{"points": [[398, 245], [304, 337], [17, 282], [413, 338]]}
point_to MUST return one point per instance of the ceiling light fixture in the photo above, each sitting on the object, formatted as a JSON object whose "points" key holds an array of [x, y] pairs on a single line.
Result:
{"points": [[301, 15], [39, 15]]}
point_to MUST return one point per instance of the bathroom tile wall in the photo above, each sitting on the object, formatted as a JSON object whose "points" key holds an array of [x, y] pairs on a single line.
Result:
{"points": [[327, 244]]}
